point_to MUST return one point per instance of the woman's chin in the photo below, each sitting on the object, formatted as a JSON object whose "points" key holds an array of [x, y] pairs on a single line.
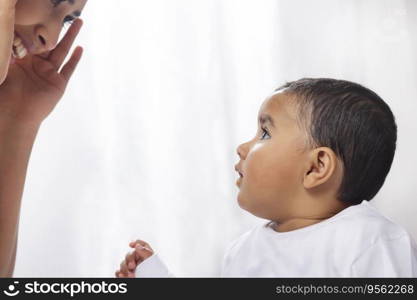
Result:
{"points": [[12, 59]]}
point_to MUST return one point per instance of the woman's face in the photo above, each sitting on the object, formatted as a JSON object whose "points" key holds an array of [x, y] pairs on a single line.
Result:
{"points": [[38, 23]]}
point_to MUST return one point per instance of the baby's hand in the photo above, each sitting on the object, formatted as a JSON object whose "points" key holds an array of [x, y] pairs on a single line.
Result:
{"points": [[133, 259]]}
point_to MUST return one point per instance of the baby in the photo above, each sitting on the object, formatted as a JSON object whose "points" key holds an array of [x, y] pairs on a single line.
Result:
{"points": [[322, 151]]}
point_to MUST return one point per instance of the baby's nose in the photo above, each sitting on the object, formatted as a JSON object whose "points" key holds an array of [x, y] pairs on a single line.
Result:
{"points": [[238, 151], [241, 151]]}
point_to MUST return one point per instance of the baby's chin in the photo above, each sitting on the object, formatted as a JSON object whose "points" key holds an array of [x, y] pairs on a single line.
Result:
{"points": [[249, 207], [244, 204], [260, 208]]}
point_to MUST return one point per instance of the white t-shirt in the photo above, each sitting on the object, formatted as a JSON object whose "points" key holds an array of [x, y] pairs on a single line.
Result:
{"points": [[356, 242]]}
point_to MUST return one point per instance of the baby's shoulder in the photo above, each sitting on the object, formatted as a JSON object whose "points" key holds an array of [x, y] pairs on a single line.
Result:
{"points": [[240, 241], [369, 225]]}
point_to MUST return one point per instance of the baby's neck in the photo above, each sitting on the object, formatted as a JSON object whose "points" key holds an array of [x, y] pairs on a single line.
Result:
{"points": [[294, 224], [300, 222]]}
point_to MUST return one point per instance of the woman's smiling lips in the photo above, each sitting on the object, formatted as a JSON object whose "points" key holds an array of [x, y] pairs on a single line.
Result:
{"points": [[28, 45]]}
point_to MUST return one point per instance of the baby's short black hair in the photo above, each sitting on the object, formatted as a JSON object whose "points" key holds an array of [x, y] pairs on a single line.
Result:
{"points": [[355, 123]]}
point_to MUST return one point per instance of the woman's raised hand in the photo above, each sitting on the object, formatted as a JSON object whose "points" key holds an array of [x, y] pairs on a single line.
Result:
{"points": [[35, 84], [7, 3], [7, 12]]}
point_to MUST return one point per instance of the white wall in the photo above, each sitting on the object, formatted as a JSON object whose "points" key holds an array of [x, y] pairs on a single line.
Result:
{"points": [[143, 144]]}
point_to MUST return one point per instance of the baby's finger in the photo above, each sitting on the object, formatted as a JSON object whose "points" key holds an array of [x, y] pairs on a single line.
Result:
{"points": [[143, 244], [134, 244], [142, 253], [130, 261], [123, 268]]}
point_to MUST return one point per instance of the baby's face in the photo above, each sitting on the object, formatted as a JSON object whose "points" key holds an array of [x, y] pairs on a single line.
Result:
{"points": [[38, 24], [271, 164]]}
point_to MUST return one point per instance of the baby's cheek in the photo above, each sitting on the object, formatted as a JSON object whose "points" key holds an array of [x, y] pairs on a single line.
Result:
{"points": [[272, 172], [270, 181]]}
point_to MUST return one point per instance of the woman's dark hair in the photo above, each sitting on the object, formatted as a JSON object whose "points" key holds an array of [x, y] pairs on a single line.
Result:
{"points": [[356, 124]]}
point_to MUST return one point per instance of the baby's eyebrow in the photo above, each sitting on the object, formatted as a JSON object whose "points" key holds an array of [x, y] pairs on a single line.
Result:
{"points": [[265, 118]]}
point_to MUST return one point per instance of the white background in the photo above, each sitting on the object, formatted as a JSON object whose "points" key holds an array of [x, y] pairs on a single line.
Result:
{"points": [[144, 142]]}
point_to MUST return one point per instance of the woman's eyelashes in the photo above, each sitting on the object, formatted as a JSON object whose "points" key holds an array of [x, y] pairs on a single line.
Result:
{"points": [[68, 20], [265, 133]]}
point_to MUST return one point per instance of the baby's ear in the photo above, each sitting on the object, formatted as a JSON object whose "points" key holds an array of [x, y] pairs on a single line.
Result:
{"points": [[321, 166]]}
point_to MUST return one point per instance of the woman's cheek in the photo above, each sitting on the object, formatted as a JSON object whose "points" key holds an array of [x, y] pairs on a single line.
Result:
{"points": [[31, 12], [25, 18]]}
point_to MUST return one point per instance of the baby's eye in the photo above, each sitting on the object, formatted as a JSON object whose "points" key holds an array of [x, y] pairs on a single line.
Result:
{"points": [[265, 132]]}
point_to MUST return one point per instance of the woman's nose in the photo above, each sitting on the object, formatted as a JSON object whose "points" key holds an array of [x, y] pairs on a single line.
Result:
{"points": [[45, 40]]}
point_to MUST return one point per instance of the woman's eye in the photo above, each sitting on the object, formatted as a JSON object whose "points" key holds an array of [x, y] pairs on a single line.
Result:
{"points": [[68, 20], [265, 133]]}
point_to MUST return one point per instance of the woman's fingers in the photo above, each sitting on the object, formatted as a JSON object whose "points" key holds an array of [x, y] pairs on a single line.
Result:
{"points": [[71, 64], [57, 56]]}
